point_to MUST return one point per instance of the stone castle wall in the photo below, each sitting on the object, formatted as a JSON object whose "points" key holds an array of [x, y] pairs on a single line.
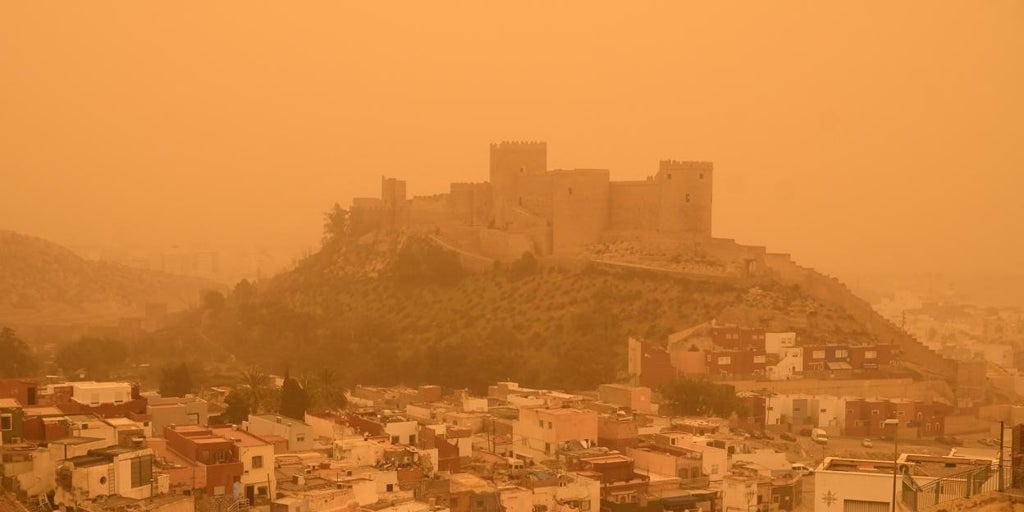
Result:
{"points": [[633, 206], [579, 208], [556, 212]]}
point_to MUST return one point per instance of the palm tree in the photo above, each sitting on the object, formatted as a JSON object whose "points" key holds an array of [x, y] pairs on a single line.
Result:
{"points": [[328, 391], [255, 382]]}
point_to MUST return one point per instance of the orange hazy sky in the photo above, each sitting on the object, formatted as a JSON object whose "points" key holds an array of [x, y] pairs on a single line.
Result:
{"points": [[875, 136]]}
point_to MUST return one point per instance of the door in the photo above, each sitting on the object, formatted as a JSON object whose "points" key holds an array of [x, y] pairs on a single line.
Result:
{"points": [[250, 493]]}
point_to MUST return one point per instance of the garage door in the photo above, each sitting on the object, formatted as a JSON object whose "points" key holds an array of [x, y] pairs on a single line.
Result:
{"points": [[865, 506]]}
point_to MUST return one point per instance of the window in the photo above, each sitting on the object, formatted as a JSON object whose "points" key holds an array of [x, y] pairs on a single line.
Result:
{"points": [[724, 360], [261, 491], [142, 470], [759, 359], [714, 469], [6, 422], [257, 461], [540, 423], [842, 353], [549, 425], [701, 175], [204, 456], [300, 437], [669, 175], [900, 413], [870, 354], [818, 354], [874, 412], [390, 487], [547, 447], [394, 439]]}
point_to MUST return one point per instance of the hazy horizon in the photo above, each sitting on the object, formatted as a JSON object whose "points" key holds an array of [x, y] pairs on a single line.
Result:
{"points": [[860, 139]]}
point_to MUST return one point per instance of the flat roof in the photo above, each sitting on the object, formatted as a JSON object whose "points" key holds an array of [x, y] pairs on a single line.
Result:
{"points": [[857, 465], [9, 402], [240, 437], [284, 420]]}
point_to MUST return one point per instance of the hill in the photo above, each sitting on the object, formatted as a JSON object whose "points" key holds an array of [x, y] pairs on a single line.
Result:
{"points": [[400, 310], [45, 283]]}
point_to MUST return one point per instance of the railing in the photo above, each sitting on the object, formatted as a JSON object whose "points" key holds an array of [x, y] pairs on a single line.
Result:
{"points": [[953, 487]]}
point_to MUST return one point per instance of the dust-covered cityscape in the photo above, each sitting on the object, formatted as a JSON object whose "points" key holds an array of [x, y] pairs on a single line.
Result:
{"points": [[524, 257]]}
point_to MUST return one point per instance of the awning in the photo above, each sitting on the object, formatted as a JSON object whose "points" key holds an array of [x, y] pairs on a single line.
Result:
{"points": [[838, 365]]}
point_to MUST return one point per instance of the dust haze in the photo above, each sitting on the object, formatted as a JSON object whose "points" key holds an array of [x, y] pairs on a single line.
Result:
{"points": [[865, 140]]}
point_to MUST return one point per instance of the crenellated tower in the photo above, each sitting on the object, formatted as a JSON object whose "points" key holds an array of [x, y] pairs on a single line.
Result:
{"points": [[509, 161], [684, 193]]}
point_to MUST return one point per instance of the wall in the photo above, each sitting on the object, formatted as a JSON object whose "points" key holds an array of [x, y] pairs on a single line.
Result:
{"points": [[845, 485], [95, 393], [633, 206], [471, 203], [579, 208], [429, 214], [507, 161], [504, 246], [685, 197]]}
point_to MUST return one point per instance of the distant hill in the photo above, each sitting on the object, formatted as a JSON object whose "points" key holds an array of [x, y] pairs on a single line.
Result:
{"points": [[44, 283], [399, 310]]}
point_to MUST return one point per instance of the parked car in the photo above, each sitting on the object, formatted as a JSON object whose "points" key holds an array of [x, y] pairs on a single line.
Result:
{"points": [[866, 443], [801, 468], [951, 440], [786, 436], [806, 432]]}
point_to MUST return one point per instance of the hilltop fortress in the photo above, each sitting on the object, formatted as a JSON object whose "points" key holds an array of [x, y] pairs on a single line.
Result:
{"points": [[525, 207]]}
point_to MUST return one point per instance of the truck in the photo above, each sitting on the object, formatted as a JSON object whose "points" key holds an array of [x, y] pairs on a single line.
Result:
{"points": [[819, 436]]}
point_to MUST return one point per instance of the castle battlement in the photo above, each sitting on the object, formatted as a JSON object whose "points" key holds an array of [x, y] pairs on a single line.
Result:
{"points": [[517, 143], [526, 207], [685, 165]]}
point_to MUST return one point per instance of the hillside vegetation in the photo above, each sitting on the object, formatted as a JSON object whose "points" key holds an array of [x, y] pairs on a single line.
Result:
{"points": [[43, 282], [401, 311]]}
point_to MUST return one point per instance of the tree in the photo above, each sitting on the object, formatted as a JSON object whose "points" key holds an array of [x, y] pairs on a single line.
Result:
{"points": [[294, 399], [214, 300], [95, 357], [17, 360], [325, 390], [335, 224], [255, 389], [175, 380], [237, 409], [692, 396]]}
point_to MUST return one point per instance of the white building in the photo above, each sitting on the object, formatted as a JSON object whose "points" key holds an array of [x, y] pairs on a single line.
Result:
{"points": [[298, 433], [259, 482], [854, 484], [547, 431], [95, 393]]}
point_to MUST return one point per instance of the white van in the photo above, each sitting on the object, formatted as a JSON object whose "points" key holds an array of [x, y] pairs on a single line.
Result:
{"points": [[801, 468], [819, 436]]}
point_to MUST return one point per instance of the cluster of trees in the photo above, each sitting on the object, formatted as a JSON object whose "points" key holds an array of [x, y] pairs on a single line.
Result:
{"points": [[16, 358], [255, 394], [91, 358], [701, 397]]}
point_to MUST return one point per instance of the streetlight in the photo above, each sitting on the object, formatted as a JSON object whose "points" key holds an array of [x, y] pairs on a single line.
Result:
{"points": [[895, 442]]}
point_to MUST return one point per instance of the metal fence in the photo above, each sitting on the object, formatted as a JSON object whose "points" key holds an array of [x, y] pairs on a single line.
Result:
{"points": [[921, 495]]}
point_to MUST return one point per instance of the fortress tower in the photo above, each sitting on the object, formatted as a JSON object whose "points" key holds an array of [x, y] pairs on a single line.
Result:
{"points": [[684, 190], [392, 194], [509, 162]]}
